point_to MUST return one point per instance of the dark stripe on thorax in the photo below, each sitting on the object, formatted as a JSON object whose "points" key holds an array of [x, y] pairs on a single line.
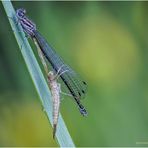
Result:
{"points": [[26, 22]]}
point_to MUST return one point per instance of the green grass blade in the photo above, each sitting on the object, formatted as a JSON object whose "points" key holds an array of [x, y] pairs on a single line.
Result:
{"points": [[63, 136]]}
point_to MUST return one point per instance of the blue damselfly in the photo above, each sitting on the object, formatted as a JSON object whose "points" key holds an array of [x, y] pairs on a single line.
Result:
{"points": [[75, 85]]}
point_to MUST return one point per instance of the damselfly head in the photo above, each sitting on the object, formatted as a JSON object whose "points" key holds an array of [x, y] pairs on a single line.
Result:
{"points": [[20, 13]]}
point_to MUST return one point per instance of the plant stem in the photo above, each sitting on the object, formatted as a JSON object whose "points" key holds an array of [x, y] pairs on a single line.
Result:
{"points": [[63, 137]]}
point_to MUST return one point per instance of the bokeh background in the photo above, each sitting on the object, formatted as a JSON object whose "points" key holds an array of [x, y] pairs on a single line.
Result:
{"points": [[106, 43]]}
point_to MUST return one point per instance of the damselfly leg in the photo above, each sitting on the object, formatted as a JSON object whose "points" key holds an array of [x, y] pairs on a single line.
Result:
{"points": [[60, 72]]}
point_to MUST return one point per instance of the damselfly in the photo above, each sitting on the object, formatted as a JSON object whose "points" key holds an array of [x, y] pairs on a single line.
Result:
{"points": [[54, 87], [76, 87]]}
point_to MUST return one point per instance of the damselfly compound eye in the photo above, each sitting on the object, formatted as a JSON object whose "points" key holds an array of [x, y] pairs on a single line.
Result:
{"points": [[20, 13]]}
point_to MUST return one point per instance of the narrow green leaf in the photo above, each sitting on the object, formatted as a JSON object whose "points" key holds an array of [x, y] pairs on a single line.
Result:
{"points": [[63, 136]]}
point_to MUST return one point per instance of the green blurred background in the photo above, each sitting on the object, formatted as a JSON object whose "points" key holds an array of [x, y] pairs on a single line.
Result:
{"points": [[106, 43]]}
